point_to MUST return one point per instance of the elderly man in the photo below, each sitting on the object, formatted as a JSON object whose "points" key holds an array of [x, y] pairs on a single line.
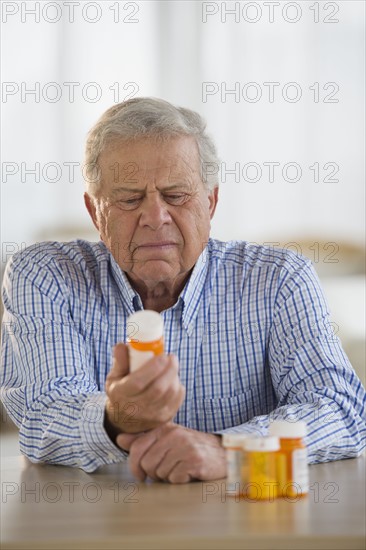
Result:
{"points": [[246, 326]]}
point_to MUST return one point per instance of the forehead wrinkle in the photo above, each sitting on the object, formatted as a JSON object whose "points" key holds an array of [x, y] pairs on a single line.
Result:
{"points": [[116, 190], [181, 163], [165, 175]]}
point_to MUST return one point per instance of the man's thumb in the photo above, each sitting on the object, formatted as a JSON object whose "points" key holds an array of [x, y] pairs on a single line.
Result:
{"points": [[120, 367]]}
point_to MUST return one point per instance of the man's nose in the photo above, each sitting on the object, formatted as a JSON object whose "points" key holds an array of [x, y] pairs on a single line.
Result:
{"points": [[154, 211]]}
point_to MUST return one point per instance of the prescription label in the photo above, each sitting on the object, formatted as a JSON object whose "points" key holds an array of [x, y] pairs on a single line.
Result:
{"points": [[300, 469], [234, 465]]}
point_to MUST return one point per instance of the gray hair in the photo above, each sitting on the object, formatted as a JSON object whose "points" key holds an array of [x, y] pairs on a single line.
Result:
{"points": [[149, 117]]}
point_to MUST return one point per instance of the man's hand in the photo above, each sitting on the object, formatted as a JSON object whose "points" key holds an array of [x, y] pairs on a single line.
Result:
{"points": [[144, 399], [174, 453]]}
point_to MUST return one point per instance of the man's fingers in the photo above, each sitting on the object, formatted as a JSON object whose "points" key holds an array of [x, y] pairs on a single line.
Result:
{"points": [[148, 375], [137, 451], [166, 382], [179, 474], [159, 460], [125, 440]]}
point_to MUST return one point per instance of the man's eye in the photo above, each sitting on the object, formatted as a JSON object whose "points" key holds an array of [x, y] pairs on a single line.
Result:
{"points": [[176, 198], [129, 204]]}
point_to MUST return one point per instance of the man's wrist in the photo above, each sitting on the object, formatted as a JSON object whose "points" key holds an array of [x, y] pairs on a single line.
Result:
{"points": [[111, 429]]}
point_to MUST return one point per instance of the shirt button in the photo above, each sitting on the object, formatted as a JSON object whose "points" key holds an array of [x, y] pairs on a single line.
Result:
{"points": [[111, 456]]}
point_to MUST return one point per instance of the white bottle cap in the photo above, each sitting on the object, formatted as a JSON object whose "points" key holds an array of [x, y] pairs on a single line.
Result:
{"points": [[145, 326], [287, 429], [233, 440], [262, 444]]}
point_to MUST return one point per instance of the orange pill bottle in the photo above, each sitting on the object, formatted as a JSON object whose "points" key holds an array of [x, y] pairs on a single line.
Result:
{"points": [[145, 329], [260, 475], [292, 464]]}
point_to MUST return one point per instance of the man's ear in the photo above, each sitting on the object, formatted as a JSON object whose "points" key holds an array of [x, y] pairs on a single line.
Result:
{"points": [[90, 206], [213, 198]]}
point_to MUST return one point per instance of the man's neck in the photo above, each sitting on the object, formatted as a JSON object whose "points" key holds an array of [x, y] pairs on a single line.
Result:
{"points": [[160, 296], [157, 304]]}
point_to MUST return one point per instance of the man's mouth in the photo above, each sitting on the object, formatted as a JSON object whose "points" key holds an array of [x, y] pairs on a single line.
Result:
{"points": [[157, 245]]}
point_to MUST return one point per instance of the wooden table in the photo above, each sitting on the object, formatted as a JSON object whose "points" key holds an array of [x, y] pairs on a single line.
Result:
{"points": [[56, 507]]}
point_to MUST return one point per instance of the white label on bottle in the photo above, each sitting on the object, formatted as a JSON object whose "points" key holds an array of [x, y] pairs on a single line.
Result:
{"points": [[234, 464], [300, 469], [138, 358]]}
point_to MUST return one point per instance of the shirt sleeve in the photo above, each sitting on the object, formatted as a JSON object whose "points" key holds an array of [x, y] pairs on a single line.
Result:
{"points": [[311, 375], [48, 386]]}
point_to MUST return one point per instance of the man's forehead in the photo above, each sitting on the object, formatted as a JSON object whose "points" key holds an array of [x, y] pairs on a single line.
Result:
{"points": [[178, 154]]}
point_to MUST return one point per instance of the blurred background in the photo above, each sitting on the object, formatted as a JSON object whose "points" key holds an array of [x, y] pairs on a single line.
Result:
{"points": [[280, 84]]}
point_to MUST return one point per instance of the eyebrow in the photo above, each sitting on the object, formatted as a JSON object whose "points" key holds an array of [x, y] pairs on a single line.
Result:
{"points": [[136, 190]]}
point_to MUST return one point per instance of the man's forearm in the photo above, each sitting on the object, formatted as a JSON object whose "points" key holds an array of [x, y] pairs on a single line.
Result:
{"points": [[68, 431], [331, 435]]}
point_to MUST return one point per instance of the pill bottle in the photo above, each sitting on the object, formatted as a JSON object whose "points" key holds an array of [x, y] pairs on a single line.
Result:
{"points": [[146, 337], [260, 456], [292, 463], [233, 444]]}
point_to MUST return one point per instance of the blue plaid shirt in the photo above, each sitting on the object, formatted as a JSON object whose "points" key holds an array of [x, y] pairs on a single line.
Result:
{"points": [[250, 328]]}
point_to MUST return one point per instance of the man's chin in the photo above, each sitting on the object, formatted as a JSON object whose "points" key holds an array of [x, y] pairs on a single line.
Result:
{"points": [[157, 270]]}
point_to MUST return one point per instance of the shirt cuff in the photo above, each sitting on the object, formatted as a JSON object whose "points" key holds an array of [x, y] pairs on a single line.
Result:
{"points": [[244, 429], [95, 439]]}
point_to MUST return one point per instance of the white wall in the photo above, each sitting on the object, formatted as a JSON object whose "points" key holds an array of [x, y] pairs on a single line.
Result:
{"points": [[169, 49]]}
